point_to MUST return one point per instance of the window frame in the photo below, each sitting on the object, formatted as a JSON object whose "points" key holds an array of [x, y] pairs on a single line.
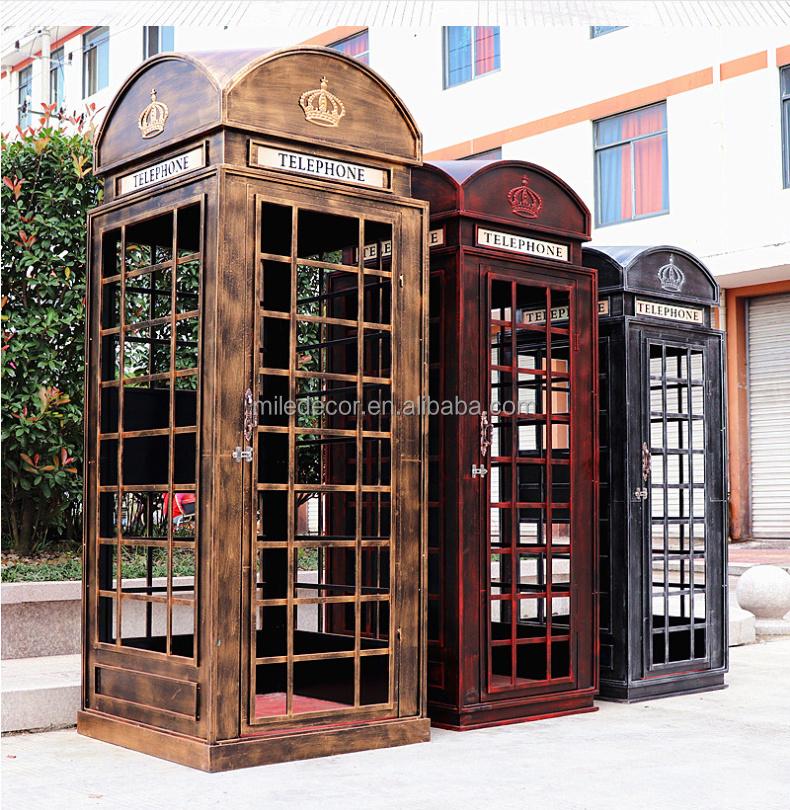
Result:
{"points": [[487, 154], [335, 46], [598, 150], [91, 42], [784, 95], [24, 89], [597, 31], [446, 83], [162, 33], [57, 76]]}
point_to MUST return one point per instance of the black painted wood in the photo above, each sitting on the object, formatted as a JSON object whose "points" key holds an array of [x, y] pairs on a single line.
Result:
{"points": [[645, 554]]}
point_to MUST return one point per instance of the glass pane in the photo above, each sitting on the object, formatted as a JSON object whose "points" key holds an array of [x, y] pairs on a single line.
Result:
{"points": [[458, 54]]}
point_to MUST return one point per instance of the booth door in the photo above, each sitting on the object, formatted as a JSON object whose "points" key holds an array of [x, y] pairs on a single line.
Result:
{"points": [[677, 499], [538, 559], [143, 441], [334, 475]]}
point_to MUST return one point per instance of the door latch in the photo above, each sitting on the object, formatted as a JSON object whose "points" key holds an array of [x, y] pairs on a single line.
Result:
{"points": [[242, 455], [479, 471], [640, 494]]}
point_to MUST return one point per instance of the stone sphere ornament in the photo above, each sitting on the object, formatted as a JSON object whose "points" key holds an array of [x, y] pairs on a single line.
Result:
{"points": [[764, 590]]}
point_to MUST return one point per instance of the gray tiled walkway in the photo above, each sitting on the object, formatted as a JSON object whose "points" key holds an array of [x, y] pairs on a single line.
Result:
{"points": [[715, 751]]}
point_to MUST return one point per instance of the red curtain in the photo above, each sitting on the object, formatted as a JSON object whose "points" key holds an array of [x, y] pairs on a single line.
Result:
{"points": [[484, 49], [355, 46], [648, 162]]}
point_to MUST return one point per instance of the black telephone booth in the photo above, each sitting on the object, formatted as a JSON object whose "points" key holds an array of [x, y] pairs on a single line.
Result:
{"points": [[254, 543], [662, 482], [512, 555]]}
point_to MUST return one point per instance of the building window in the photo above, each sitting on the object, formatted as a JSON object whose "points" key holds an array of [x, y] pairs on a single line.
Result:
{"points": [[631, 165], [469, 52], [488, 154], [95, 61], [56, 76], [356, 46], [25, 95], [157, 39], [784, 78], [600, 30]]}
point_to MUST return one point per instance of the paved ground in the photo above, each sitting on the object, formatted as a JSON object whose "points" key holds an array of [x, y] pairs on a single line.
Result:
{"points": [[716, 751], [758, 552]]}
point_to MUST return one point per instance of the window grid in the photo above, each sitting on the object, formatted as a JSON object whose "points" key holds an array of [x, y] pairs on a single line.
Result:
{"points": [[599, 30], [95, 61], [677, 506], [25, 95], [336, 348], [157, 39], [469, 52], [530, 545], [604, 149], [149, 356], [356, 46], [56, 76]]}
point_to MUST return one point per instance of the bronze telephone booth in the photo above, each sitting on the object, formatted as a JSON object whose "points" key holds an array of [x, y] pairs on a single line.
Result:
{"points": [[512, 630], [663, 572], [255, 288]]}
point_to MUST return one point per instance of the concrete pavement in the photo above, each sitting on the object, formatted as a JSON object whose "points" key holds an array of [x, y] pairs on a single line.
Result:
{"points": [[714, 751]]}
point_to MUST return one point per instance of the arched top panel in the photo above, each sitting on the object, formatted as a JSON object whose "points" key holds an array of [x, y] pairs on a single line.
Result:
{"points": [[314, 96], [524, 194], [317, 95], [662, 270], [189, 100]]}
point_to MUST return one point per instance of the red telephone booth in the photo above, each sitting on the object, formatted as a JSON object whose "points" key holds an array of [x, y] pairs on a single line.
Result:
{"points": [[512, 505]]}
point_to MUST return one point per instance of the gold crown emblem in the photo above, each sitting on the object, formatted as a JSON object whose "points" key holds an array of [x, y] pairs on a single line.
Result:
{"points": [[671, 276], [321, 107], [524, 201], [153, 117]]}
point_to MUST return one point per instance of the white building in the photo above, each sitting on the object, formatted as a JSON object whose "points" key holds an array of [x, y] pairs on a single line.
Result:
{"points": [[673, 135]]}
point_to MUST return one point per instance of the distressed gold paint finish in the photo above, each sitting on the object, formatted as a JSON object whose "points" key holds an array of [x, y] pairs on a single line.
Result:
{"points": [[153, 117]]}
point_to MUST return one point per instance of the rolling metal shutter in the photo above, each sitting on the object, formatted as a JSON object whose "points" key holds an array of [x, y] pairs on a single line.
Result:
{"points": [[769, 414]]}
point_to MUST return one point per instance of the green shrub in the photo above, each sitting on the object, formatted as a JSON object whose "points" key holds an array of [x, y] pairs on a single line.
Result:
{"points": [[47, 189]]}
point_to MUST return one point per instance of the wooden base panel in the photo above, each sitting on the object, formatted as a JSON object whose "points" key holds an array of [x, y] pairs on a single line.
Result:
{"points": [[252, 751], [500, 713], [619, 692]]}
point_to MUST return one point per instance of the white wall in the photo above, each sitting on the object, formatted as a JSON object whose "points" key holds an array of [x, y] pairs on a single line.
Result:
{"points": [[726, 198]]}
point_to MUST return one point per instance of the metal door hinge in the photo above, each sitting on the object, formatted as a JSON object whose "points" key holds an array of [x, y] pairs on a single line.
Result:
{"points": [[479, 471], [242, 455], [640, 494]]}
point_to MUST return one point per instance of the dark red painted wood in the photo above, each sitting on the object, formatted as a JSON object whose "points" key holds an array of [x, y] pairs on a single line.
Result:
{"points": [[467, 683]]}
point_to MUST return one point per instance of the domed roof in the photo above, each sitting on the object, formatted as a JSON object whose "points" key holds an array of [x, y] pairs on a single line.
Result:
{"points": [[260, 91]]}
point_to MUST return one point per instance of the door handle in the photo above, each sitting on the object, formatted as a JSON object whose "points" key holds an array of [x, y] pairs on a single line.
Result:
{"points": [[485, 433], [647, 462], [250, 416]]}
